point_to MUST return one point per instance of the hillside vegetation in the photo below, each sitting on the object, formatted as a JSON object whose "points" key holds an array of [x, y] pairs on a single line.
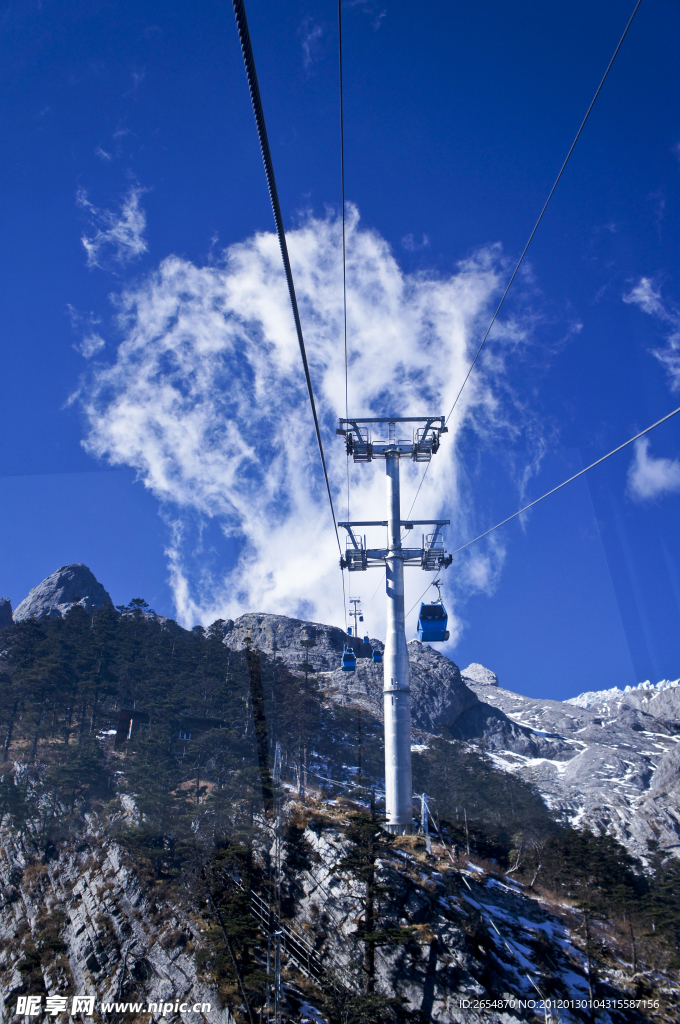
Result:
{"points": [[196, 817]]}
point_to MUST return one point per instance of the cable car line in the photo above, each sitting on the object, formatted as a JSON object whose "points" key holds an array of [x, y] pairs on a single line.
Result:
{"points": [[251, 74], [344, 258], [559, 486], [535, 228], [344, 250]]}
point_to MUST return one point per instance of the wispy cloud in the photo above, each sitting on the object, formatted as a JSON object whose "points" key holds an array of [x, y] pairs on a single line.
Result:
{"points": [[90, 345], [91, 342], [376, 12], [648, 298], [310, 35], [409, 243], [649, 477], [118, 237], [206, 400]]}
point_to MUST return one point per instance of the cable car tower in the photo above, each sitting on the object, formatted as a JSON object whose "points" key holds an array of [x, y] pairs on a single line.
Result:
{"points": [[356, 614], [363, 447]]}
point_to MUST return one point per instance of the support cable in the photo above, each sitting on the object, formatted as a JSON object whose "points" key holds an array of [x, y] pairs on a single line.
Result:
{"points": [[251, 74], [344, 250], [535, 228], [559, 486], [344, 246]]}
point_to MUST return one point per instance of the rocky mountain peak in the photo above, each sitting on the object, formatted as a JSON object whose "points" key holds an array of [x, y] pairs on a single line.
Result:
{"points": [[56, 595], [290, 639], [478, 674]]}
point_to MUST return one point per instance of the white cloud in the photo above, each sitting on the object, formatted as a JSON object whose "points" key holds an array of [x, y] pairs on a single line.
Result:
{"points": [[649, 299], [374, 12], [649, 477], [90, 345], [119, 236], [206, 400]]}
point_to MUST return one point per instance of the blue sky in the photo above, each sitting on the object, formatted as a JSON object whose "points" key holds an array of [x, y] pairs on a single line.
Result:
{"points": [[137, 223]]}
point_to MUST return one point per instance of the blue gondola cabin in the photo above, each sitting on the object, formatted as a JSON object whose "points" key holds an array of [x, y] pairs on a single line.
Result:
{"points": [[349, 660], [432, 622]]}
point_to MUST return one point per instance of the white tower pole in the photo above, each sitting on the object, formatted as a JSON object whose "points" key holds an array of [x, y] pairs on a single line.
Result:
{"points": [[396, 688]]}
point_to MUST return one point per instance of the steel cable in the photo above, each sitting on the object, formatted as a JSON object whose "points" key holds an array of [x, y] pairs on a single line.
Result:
{"points": [[531, 236], [344, 247], [559, 486], [251, 74]]}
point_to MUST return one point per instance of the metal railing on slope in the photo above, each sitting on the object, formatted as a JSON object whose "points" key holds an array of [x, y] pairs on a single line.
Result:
{"points": [[298, 949]]}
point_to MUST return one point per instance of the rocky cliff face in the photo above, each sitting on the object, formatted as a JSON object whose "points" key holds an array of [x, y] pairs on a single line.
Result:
{"points": [[78, 913], [83, 917], [68, 586], [460, 916], [78, 919], [476, 673]]}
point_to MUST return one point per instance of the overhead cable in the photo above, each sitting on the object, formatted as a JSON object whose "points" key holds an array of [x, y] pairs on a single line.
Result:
{"points": [[344, 248], [251, 73], [545, 205], [535, 228], [344, 254], [559, 486]]}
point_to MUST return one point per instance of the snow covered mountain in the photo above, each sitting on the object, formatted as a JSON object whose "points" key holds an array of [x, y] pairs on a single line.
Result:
{"points": [[585, 700], [615, 762]]}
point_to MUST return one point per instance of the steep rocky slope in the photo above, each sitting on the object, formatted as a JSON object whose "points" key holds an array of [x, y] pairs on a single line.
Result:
{"points": [[441, 700], [82, 917], [109, 839], [78, 921]]}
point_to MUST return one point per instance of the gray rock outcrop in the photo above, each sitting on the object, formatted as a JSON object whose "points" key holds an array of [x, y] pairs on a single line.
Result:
{"points": [[55, 596], [476, 673], [278, 635], [5, 612]]}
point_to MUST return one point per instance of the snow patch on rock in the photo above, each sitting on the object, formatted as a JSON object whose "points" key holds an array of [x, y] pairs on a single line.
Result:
{"points": [[478, 674]]}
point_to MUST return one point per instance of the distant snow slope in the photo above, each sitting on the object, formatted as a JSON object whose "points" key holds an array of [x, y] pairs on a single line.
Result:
{"points": [[585, 700]]}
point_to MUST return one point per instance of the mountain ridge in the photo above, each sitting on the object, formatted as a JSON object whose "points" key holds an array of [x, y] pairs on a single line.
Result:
{"points": [[605, 759]]}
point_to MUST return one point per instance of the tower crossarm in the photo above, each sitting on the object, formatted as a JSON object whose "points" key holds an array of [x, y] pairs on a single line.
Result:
{"points": [[431, 556], [408, 524], [364, 447]]}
